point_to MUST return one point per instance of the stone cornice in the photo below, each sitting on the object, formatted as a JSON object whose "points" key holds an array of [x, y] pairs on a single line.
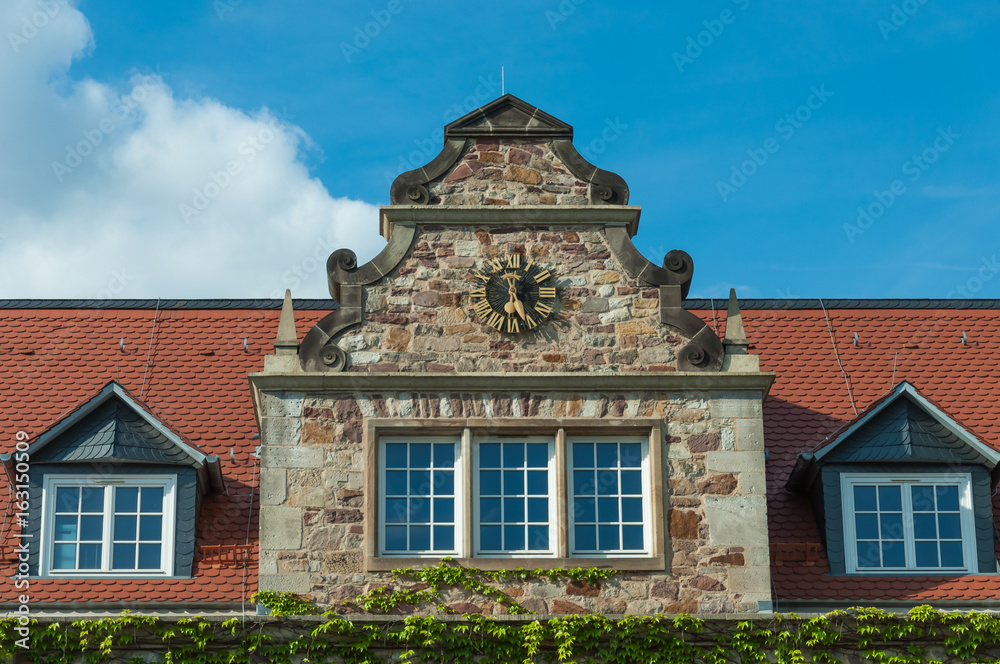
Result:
{"points": [[577, 382], [487, 215]]}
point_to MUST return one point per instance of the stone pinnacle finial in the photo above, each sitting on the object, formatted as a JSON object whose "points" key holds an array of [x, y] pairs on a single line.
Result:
{"points": [[735, 336], [287, 341]]}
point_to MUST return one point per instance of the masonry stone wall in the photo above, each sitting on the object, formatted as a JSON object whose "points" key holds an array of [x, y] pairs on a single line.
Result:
{"points": [[314, 498], [508, 172], [421, 319]]}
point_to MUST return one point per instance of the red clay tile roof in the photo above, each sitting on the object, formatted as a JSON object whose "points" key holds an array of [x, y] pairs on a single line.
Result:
{"points": [[54, 360], [51, 360], [810, 401]]}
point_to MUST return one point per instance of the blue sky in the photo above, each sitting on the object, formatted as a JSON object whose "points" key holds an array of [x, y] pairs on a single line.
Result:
{"points": [[750, 133]]}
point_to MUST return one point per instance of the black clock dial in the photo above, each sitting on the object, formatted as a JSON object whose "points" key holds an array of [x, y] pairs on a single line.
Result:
{"points": [[513, 294]]}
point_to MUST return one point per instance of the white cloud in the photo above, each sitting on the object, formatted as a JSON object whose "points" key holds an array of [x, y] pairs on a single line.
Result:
{"points": [[129, 192]]}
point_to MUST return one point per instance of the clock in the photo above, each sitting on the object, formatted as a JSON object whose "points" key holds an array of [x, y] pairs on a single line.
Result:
{"points": [[513, 294]]}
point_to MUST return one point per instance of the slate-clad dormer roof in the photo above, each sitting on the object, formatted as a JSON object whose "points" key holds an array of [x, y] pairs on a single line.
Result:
{"points": [[114, 426]]}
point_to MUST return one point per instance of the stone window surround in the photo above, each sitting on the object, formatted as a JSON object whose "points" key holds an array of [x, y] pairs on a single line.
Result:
{"points": [[559, 429], [962, 480]]}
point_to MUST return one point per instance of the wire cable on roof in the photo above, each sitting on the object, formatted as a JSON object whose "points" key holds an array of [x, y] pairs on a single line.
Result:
{"points": [[150, 350], [833, 341], [715, 326]]}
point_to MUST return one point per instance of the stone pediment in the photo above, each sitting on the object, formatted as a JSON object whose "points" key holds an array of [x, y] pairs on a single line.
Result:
{"points": [[508, 117]]}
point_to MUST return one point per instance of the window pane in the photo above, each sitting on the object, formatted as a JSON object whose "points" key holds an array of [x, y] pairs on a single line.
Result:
{"points": [[631, 483], [868, 554], [538, 482], [923, 498], [927, 554], [889, 499], [864, 499], [891, 526], [538, 538], [420, 455], [150, 528], [513, 510], [444, 483], [585, 510], [632, 538], [513, 538], [444, 456], [607, 455], [65, 530], [123, 556], [947, 498], [420, 510], [607, 482], [67, 499], [632, 510], [513, 482], [151, 499], [583, 482], [538, 510], [395, 483], [91, 500], [489, 455], [64, 556], [90, 556], [149, 556], [127, 499], [951, 554], [924, 527], [608, 538], [583, 455], [444, 538], [489, 510], [490, 538], [125, 528], [395, 510], [444, 510], [866, 526], [420, 482], [420, 538], [586, 538], [91, 528], [631, 455], [607, 509], [949, 526], [513, 455], [489, 483], [395, 455], [395, 538], [893, 554], [538, 455]]}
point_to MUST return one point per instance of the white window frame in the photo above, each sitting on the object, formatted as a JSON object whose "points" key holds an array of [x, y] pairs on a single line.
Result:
{"points": [[647, 508], [52, 482], [553, 521], [458, 496], [966, 517]]}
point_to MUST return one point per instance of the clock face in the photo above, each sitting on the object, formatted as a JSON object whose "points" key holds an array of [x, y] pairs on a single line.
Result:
{"points": [[513, 294]]}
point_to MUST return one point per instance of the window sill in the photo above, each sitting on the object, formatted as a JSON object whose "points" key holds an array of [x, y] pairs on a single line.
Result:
{"points": [[655, 563]]}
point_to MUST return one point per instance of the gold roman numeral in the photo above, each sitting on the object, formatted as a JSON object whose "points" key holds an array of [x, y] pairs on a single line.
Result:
{"points": [[478, 292], [530, 322], [512, 325], [547, 292], [514, 261], [543, 275], [483, 308], [543, 309], [496, 263], [495, 321]]}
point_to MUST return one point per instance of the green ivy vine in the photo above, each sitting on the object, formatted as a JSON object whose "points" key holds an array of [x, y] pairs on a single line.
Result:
{"points": [[299, 632]]}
